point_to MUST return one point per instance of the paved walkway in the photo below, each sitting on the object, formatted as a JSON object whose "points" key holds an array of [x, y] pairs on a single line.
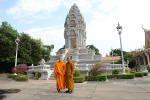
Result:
{"points": [[136, 89]]}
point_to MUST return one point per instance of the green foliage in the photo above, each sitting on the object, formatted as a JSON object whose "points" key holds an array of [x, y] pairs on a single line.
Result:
{"points": [[18, 77], [148, 68], [127, 56], [92, 47], [36, 75], [96, 78], [30, 51], [76, 73], [21, 77], [12, 76], [115, 71], [47, 51], [79, 79], [145, 73], [126, 76], [62, 48], [127, 70], [139, 74]]}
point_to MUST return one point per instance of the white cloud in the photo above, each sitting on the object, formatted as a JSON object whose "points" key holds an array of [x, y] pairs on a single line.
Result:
{"points": [[101, 29], [26, 9], [49, 35]]}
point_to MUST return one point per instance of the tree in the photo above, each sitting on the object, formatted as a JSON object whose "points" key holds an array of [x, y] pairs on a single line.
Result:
{"points": [[30, 51], [128, 56], [92, 47], [47, 51]]}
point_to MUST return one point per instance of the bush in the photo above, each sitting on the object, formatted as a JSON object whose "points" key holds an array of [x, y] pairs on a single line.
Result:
{"points": [[126, 76], [145, 73], [139, 74], [12, 76], [36, 75], [127, 70], [111, 76], [21, 77], [18, 77], [148, 68], [102, 77], [76, 73], [115, 71], [96, 69], [20, 69], [96, 78], [91, 78], [79, 79]]}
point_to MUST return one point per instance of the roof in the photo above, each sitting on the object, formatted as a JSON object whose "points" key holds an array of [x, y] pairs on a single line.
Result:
{"points": [[110, 59]]}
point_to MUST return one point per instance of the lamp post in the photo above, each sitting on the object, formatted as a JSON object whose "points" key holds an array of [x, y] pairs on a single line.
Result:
{"points": [[119, 29], [17, 43]]}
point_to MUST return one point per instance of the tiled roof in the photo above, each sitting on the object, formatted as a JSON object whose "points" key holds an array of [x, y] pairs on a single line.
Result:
{"points": [[111, 59]]}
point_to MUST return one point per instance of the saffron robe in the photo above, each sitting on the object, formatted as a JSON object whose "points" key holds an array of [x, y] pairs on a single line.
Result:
{"points": [[69, 82], [59, 71]]}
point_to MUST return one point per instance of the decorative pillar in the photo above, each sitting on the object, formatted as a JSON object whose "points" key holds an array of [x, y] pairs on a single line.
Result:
{"points": [[144, 60], [147, 56]]}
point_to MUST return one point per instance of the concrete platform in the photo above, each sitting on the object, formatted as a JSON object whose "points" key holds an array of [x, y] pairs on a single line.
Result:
{"points": [[136, 89]]}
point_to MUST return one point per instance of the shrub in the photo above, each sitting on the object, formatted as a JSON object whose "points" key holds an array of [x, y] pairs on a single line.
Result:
{"points": [[18, 77], [76, 73], [11, 76], [21, 77], [139, 74], [111, 76], [36, 75], [145, 73], [96, 78], [20, 69], [126, 76], [148, 68], [115, 71], [127, 70], [79, 79], [102, 77], [91, 78], [95, 70]]}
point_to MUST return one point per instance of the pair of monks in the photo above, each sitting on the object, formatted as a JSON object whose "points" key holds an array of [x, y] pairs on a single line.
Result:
{"points": [[64, 75]]}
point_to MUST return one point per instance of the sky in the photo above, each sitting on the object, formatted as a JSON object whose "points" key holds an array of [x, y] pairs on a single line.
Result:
{"points": [[44, 19]]}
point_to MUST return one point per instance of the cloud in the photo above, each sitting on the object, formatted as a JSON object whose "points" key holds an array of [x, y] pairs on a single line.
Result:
{"points": [[49, 35], [33, 9], [101, 28]]}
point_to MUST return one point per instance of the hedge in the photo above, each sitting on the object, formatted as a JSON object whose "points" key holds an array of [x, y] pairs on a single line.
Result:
{"points": [[18, 77], [21, 78], [115, 71], [145, 73], [139, 74], [12, 76], [78, 79], [125, 76], [96, 78]]}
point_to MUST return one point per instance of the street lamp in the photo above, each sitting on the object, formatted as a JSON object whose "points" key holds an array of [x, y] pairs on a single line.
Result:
{"points": [[17, 43], [119, 29]]}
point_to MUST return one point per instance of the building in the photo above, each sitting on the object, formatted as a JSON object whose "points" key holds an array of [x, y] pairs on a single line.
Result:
{"points": [[75, 42], [142, 56]]}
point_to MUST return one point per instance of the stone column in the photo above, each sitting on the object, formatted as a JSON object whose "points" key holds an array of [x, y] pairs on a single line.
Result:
{"points": [[144, 59], [147, 56]]}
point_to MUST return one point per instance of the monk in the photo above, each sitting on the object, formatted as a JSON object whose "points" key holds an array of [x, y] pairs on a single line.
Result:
{"points": [[59, 71], [69, 82]]}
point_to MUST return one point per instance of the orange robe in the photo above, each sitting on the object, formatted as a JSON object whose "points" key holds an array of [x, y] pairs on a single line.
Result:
{"points": [[69, 82], [59, 71]]}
